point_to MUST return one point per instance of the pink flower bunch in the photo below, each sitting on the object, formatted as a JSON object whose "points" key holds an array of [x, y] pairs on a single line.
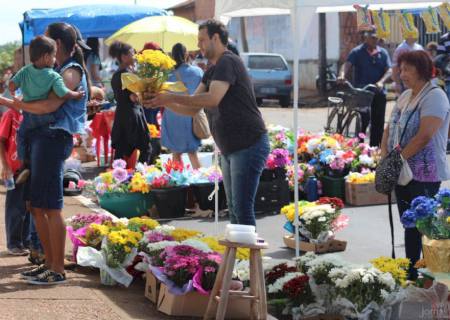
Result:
{"points": [[278, 158], [155, 236], [339, 223], [82, 220]]}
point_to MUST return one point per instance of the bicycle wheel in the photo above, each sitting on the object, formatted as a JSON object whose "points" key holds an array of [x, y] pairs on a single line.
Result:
{"points": [[333, 121], [352, 125]]}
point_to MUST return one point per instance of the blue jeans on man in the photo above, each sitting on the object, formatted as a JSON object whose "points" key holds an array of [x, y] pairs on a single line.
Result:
{"points": [[17, 219], [241, 171]]}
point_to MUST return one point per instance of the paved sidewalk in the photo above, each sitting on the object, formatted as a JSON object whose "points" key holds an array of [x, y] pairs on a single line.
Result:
{"points": [[81, 298]]}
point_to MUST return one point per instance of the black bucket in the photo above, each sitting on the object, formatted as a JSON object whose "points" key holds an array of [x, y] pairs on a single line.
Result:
{"points": [[170, 202], [202, 192]]}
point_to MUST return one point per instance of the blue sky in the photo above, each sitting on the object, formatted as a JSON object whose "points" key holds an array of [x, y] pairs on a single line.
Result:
{"points": [[12, 11]]}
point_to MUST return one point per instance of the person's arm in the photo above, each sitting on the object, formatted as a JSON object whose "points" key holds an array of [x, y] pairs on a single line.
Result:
{"points": [[344, 71], [384, 78], [6, 170], [71, 77], [197, 101], [427, 129], [74, 95]]}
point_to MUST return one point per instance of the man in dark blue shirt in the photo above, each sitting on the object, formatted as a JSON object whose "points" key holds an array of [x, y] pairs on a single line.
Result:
{"points": [[371, 65]]}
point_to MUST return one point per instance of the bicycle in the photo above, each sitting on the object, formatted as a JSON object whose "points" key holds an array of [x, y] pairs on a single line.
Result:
{"points": [[344, 115]]}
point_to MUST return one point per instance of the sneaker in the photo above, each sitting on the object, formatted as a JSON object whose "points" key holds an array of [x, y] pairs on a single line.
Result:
{"points": [[36, 258], [23, 176], [18, 252], [49, 277], [33, 273]]}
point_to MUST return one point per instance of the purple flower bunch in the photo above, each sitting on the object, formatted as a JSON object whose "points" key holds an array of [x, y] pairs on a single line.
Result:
{"points": [[155, 236], [421, 208], [278, 158]]}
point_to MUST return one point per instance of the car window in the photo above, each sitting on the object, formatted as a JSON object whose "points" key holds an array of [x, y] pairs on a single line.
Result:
{"points": [[266, 62]]}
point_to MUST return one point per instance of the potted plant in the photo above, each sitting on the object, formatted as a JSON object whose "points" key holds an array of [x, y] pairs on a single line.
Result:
{"points": [[431, 216], [123, 192]]}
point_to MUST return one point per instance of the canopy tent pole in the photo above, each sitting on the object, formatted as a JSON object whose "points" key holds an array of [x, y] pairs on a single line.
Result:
{"points": [[296, 33], [216, 191]]}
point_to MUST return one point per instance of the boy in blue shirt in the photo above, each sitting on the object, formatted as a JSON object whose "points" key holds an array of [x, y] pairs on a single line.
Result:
{"points": [[35, 81]]}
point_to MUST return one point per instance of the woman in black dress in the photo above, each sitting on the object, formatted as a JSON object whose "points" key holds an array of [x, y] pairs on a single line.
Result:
{"points": [[130, 131]]}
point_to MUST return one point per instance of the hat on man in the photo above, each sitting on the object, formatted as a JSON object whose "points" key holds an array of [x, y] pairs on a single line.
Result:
{"points": [[80, 40]]}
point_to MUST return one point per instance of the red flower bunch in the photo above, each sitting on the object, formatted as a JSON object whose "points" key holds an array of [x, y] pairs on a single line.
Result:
{"points": [[336, 203], [277, 272], [173, 165], [160, 182], [298, 290]]}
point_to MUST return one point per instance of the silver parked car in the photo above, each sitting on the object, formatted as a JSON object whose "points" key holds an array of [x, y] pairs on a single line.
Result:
{"points": [[270, 75]]}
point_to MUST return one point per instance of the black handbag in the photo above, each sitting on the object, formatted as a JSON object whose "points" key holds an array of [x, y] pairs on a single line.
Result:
{"points": [[388, 172]]}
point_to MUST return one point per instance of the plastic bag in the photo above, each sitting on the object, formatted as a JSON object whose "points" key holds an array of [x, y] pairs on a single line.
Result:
{"points": [[431, 20], [382, 21], [90, 257]]}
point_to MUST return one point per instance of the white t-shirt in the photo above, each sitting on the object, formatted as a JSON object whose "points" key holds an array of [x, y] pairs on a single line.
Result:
{"points": [[404, 47]]}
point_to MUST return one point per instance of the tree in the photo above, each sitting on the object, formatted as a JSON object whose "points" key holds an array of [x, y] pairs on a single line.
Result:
{"points": [[7, 54]]}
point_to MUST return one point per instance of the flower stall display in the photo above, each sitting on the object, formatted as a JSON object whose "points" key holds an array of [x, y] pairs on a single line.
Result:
{"points": [[154, 132], [304, 171], [142, 224], [278, 158], [334, 156], [398, 268], [431, 216], [318, 223]]}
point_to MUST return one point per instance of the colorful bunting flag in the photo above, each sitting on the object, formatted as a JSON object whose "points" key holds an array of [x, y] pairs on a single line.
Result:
{"points": [[431, 20], [364, 19], [407, 26], [382, 22], [444, 12]]}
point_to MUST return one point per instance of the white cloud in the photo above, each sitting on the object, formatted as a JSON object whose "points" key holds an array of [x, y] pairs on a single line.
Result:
{"points": [[12, 11]]}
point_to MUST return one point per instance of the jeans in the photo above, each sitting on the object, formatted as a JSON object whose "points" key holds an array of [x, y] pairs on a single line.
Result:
{"points": [[375, 118], [413, 238], [241, 172], [17, 219]]}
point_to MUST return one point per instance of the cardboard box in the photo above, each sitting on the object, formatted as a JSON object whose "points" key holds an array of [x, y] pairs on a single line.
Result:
{"points": [[152, 286], [330, 246], [364, 194], [81, 154], [194, 304]]}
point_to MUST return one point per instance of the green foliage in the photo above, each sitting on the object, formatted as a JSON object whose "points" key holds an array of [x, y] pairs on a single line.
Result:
{"points": [[7, 54]]}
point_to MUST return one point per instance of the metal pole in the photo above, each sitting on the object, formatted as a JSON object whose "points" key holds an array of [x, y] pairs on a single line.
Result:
{"points": [[322, 53], [296, 32]]}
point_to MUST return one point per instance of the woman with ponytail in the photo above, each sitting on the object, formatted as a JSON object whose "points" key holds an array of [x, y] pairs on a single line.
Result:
{"points": [[50, 146], [130, 131], [176, 131]]}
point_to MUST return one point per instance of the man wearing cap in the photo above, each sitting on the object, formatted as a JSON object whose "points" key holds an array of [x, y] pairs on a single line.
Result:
{"points": [[371, 65], [409, 44]]}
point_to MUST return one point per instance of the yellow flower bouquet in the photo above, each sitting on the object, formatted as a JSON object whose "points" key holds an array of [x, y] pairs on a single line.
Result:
{"points": [[153, 69], [396, 267], [119, 245]]}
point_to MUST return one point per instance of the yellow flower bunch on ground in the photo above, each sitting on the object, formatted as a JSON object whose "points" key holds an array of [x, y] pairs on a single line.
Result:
{"points": [[156, 59], [94, 234], [355, 177], [125, 238], [396, 267], [138, 183], [289, 210], [213, 244], [142, 224], [180, 234]]}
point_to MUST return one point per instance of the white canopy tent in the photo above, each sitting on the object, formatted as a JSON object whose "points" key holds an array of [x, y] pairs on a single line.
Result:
{"points": [[303, 11]]}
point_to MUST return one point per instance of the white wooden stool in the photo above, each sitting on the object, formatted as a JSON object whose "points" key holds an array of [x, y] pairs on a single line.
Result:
{"points": [[257, 293]]}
